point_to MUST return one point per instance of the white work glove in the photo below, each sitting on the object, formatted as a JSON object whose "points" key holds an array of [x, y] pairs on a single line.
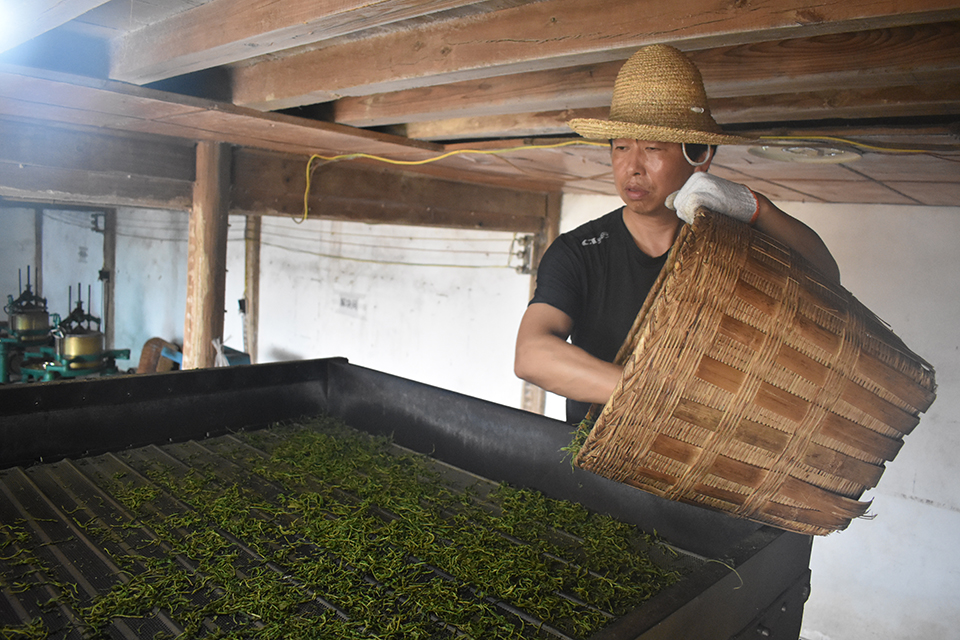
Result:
{"points": [[704, 190]]}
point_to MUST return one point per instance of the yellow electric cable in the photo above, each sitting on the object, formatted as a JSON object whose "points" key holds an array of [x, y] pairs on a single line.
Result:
{"points": [[353, 156]]}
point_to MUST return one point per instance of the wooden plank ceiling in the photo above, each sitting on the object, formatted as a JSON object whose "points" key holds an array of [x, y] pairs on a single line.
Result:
{"points": [[410, 81]]}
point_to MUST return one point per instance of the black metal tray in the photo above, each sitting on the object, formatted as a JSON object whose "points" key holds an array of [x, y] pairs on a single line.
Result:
{"points": [[757, 584]]}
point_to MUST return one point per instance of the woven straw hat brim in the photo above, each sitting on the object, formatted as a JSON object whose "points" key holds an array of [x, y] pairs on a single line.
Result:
{"points": [[593, 129], [658, 96]]}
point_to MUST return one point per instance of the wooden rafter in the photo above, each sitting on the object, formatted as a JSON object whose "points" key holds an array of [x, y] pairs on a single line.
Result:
{"points": [[549, 35], [858, 64], [273, 184], [493, 74], [227, 31], [55, 97], [89, 167]]}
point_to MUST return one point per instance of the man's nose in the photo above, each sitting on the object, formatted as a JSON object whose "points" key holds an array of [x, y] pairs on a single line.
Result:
{"points": [[636, 162]]}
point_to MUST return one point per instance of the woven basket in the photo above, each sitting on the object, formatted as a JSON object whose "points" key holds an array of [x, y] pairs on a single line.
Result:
{"points": [[755, 386]]}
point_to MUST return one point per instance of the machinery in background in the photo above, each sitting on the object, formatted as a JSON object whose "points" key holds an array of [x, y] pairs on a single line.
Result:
{"points": [[37, 345], [28, 326], [77, 349]]}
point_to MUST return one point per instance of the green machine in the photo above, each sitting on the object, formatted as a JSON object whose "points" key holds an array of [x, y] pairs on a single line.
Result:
{"points": [[77, 348], [28, 326]]}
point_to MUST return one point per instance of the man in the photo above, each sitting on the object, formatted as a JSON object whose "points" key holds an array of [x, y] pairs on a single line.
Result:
{"points": [[593, 280]]}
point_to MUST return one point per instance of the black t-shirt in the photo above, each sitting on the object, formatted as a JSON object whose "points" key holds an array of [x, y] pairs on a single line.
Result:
{"points": [[598, 276]]}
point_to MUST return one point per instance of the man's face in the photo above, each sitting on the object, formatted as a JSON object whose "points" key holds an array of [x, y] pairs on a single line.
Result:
{"points": [[646, 172]]}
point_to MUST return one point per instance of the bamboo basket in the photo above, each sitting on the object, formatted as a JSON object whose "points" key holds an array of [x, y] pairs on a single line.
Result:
{"points": [[755, 386]]}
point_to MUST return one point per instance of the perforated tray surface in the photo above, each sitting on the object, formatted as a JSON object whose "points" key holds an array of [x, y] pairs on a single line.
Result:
{"points": [[305, 531]]}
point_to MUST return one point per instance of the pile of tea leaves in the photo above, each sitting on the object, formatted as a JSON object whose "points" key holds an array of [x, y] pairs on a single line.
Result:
{"points": [[314, 530]]}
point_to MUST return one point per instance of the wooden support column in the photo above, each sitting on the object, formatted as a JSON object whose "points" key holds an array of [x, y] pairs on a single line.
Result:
{"points": [[207, 256], [108, 275], [37, 252], [251, 289], [534, 398]]}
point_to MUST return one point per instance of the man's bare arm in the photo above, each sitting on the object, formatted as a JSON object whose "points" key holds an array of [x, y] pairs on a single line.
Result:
{"points": [[796, 235], [545, 358]]}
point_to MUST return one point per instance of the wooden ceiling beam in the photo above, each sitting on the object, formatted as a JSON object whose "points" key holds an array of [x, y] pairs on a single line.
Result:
{"points": [[41, 163], [274, 184], [22, 21], [548, 35], [66, 100], [510, 125], [856, 105], [40, 144], [867, 60], [33, 183], [227, 31], [555, 90], [28, 93], [841, 103]]}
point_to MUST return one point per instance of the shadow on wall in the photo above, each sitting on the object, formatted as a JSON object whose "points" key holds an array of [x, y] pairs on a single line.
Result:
{"points": [[282, 355]]}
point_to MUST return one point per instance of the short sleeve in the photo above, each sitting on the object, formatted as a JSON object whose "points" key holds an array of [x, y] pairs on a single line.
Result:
{"points": [[561, 279]]}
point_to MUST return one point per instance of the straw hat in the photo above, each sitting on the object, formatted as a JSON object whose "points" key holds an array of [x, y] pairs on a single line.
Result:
{"points": [[658, 96]]}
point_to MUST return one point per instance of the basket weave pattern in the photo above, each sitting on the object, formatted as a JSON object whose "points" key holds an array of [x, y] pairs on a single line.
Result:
{"points": [[754, 386]]}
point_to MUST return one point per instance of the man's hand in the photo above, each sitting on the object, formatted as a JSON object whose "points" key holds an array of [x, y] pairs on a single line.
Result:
{"points": [[716, 194], [737, 201]]}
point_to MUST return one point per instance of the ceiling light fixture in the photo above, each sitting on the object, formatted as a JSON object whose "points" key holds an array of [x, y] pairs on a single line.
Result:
{"points": [[804, 154]]}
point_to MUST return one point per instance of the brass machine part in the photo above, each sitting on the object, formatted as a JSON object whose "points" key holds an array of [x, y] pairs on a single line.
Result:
{"points": [[87, 346], [30, 320]]}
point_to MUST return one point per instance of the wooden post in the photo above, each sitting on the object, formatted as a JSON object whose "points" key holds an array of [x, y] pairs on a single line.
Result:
{"points": [[534, 398], [251, 289], [207, 256], [38, 252], [108, 276]]}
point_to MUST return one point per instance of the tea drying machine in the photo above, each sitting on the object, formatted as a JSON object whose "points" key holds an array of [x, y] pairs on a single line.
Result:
{"points": [[60, 442], [28, 325], [78, 347]]}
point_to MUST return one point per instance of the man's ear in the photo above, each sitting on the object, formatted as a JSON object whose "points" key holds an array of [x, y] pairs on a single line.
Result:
{"points": [[706, 165], [702, 161]]}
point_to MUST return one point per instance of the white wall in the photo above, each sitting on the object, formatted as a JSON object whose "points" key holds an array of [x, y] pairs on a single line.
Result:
{"points": [[150, 283], [438, 306], [898, 576], [17, 252], [72, 260]]}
